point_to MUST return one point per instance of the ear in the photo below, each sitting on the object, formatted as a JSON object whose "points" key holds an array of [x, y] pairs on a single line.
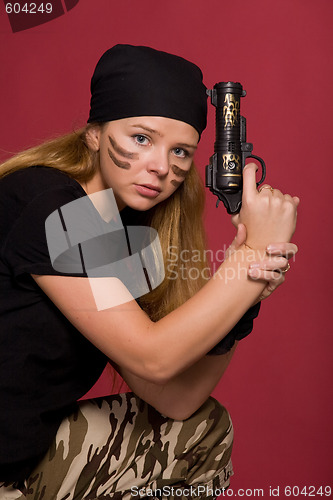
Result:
{"points": [[93, 135]]}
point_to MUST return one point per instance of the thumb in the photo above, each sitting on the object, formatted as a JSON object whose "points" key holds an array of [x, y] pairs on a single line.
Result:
{"points": [[240, 237], [238, 240]]}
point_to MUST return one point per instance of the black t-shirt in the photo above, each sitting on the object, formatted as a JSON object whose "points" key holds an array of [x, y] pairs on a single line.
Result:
{"points": [[45, 363]]}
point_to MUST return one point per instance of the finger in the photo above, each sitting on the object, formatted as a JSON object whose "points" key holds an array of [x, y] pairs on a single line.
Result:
{"points": [[264, 186], [269, 289], [277, 263], [287, 250], [274, 284], [235, 220], [287, 197], [277, 193], [249, 180], [294, 200], [241, 235], [262, 274], [269, 190]]}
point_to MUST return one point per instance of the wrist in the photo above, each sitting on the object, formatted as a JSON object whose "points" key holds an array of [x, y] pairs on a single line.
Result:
{"points": [[234, 273], [246, 255]]}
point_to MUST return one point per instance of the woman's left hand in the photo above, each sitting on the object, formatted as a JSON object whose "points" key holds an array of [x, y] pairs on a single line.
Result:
{"points": [[273, 265]]}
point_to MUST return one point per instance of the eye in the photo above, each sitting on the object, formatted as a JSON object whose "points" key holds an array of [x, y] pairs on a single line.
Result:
{"points": [[181, 153], [140, 139]]}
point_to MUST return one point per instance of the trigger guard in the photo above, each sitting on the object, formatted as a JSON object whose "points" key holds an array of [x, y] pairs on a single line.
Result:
{"points": [[263, 168]]}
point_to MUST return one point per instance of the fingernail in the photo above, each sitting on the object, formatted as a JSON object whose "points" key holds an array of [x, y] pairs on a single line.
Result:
{"points": [[254, 266], [254, 273]]}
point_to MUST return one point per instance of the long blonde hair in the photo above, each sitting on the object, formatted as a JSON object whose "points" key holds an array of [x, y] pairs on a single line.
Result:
{"points": [[178, 219]]}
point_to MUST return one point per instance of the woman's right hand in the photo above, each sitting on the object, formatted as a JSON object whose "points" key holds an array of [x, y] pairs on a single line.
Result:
{"points": [[268, 214]]}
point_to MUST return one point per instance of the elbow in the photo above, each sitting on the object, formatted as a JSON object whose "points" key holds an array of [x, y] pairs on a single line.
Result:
{"points": [[154, 363], [159, 370], [149, 366], [157, 373]]}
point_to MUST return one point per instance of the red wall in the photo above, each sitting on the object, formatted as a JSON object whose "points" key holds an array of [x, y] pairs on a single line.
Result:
{"points": [[279, 387]]}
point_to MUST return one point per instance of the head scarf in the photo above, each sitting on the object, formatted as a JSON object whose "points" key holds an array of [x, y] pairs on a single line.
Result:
{"points": [[133, 81]]}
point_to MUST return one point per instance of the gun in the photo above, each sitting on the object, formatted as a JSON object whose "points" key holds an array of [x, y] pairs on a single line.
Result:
{"points": [[224, 172]]}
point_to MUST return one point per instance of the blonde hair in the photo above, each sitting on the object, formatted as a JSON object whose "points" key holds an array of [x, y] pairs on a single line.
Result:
{"points": [[178, 219]]}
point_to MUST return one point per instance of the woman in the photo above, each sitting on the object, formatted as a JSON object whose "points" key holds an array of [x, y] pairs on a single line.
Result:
{"points": [[148, 110]]}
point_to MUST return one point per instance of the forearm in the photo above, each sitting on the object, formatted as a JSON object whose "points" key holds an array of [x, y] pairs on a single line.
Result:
{"points": [[207, 317], [181, 396], [158, 351]]}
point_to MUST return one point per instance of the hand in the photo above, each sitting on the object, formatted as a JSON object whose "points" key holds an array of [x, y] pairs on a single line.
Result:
{"points": [[273, 267], [267, 214]]}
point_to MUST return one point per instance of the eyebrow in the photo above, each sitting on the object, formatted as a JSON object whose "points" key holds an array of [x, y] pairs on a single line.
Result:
{"points": [[183, 145], [153, 131], [123, 152], [150, 130]]}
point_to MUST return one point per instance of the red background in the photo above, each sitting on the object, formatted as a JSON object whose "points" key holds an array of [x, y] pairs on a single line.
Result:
{"points": [[279, 386]]}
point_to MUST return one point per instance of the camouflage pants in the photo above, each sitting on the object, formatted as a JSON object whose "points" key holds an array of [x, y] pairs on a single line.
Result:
{"points": [[120, 447]]}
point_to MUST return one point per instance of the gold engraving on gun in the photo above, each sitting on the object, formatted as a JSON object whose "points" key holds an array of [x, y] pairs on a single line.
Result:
{"points": [[232, 163], [230, 110], [232, 168]]}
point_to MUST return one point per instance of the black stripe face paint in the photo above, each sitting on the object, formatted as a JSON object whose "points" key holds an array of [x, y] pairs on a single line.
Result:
{"points": [[122, 152], [180, 173]]}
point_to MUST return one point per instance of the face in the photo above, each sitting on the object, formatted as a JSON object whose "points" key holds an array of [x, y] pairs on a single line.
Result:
{"points": [[143, 159]]}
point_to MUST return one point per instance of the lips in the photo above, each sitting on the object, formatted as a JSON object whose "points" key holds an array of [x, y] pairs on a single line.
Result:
{"points": [[148, 190], [150, 186]]}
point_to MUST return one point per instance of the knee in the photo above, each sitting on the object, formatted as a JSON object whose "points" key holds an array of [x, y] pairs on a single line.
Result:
{"points": [[212, 421], [218, 421], [209, 446]]}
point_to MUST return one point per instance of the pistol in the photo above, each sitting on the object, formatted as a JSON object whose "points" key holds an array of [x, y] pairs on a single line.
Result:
{"points": [[224, 174]]}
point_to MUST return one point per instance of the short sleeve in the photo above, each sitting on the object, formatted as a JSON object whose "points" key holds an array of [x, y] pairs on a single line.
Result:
{"points": [[241, 330], [26, 249]]}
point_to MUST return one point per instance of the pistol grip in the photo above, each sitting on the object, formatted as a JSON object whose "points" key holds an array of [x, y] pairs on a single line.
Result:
{"points": [[231, 201]]}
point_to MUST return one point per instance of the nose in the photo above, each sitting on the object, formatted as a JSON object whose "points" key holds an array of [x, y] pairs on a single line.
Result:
{"points": [[158, 163]]}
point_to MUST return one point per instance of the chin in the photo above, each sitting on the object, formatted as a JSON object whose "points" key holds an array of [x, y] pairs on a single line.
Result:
{"points": [[142, 207], [143, 204]]}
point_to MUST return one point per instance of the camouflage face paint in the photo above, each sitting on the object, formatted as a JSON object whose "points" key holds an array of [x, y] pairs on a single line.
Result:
{"points": [[180, 173], [176, 183], [123, 152]]}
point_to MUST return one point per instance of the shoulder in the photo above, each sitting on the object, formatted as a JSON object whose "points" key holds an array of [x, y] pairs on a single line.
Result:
{"points": [[21, 188], [32, 191], [32, 181]]}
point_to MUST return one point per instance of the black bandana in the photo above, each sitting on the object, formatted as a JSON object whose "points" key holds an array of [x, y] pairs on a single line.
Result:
{"points": [[140, 81]]}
